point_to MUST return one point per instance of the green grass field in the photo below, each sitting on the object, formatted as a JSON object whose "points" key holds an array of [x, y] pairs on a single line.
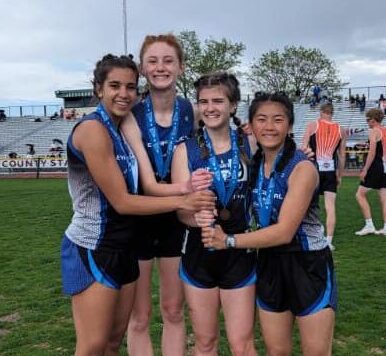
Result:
{"points": [[35, 318]]}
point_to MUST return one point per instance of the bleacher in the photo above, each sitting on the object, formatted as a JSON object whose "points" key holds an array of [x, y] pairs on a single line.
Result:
{"points": [[17, 133]]}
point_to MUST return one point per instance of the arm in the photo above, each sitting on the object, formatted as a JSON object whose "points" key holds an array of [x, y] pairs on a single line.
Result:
{"points": [[301, 187], [181, 173], [371, 154], [341, 155], [133, 136], [307, 134], [92, 139]]}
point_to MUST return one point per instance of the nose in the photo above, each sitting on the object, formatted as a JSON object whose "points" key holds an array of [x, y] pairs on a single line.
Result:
{"points": [[160, 66], [209, 106], [123, 91]]}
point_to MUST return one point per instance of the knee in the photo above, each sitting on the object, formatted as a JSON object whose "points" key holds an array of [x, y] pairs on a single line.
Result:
{"points": [[206, 344], [242, 347], [278, 350], [91, 346], [317, 350], [172, 312], [139, 322], [359, 196]]}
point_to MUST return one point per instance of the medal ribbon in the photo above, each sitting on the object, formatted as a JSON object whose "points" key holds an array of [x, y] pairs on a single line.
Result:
{"points": [[265, 203], [162, 166], [224, 194], [126, 157]]}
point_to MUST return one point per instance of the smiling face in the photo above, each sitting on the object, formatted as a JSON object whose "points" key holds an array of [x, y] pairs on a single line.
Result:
{"points": [[214, 107], [161, 66], [118, 92], [270, 125]]}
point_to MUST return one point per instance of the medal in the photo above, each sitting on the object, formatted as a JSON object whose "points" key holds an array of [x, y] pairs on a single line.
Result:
{"points": [[225, 214], [224, 189], [162, 160]]}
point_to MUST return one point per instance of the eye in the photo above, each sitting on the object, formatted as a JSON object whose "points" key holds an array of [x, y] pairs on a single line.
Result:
{"points": [[131, 87]]}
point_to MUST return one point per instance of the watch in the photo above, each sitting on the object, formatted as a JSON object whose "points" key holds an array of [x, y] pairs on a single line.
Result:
{"points": [[230, 241]]}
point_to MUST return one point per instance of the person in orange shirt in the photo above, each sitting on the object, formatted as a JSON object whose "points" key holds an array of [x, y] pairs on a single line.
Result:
{"points": [[328, 140], [373, 174]]}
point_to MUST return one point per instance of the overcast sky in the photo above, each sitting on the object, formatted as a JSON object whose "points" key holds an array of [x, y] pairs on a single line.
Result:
{"points": [[53, 44]]}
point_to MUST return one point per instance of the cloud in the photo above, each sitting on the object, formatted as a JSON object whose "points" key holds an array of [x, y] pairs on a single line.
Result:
{"points": [[48, 45]]}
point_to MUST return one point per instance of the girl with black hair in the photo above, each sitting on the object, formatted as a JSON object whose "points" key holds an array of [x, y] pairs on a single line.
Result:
{"points": [[214, 279], [295, 273], [99, 263]]}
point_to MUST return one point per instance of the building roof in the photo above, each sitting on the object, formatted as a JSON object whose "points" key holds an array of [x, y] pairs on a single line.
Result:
{"points": [[76, 93]]}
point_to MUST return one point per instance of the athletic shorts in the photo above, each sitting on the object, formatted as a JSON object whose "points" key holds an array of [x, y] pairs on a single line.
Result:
{"points": [[327, 182], [160, 236], [302, 282], [81, 267], [375, 177], [225, 269]]}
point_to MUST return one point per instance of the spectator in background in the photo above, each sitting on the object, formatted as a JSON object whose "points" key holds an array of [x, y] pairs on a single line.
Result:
{"points": [[31, 149], [328, 140], [382, 104], [3, 117], [55, 116], [373, 174], [61, 113], [316, 93], [362, 103], [352, 101]]}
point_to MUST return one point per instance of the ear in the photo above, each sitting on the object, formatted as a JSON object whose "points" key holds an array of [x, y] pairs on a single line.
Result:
{"points": [[98, 90]]}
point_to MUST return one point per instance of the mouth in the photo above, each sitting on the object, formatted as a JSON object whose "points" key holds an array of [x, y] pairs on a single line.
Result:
{"points": [[123, 105]]}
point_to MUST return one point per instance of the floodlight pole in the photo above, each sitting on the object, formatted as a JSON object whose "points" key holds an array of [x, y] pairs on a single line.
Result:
{"points": [[124, 25]]}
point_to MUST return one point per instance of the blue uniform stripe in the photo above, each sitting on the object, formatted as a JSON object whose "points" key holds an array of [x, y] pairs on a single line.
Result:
{"points": [[323, 300], [98, 274]]}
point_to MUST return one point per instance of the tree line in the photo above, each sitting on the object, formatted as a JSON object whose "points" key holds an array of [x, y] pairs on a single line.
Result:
{"points": [[294, 70]]}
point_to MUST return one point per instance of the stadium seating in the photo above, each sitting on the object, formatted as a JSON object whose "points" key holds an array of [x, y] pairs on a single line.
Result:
{"points": [[17, 133]]}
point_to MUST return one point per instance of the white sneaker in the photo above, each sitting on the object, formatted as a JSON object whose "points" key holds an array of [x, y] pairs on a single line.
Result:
{"points": [[332, 247], [381, 232], [365, 231]]}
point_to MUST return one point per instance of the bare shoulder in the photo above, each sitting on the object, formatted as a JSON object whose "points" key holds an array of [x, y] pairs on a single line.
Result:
{"points": [[304, 172], [90, 132]]}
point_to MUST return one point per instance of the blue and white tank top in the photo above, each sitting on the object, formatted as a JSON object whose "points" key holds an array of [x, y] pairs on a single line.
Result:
{"points": [[95, 221], [309, 235]]}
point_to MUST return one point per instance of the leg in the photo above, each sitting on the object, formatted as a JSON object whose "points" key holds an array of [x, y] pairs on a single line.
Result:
{"points": [[239, 313], [316, 332], [382, 197], [172, 307], [365, 208], [276, 329], [122, 315], [362, 201], [93, 329], [138, 336], [204, 305], [329, 204]]}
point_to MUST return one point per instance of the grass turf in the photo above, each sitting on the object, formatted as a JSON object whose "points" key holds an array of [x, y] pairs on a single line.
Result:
{"points": [[35, 318]]}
